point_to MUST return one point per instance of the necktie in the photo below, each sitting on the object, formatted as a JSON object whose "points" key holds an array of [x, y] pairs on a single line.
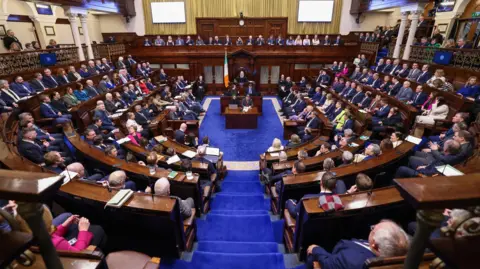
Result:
{"points": [[54, 81], [94, 90], [41, 84], [51, 109], [25, 87], [13, 95], [416, 97], [66, 79], [373, 104]]}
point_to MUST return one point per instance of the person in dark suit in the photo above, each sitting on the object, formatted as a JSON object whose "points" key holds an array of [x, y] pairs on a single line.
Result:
{"points": [[384, 87], [405, 93], [386, 239], [382, 111], [179, 134], [247, 101], [90, 89], [463, 44], [48, 111], [96, 126], [367, 99], [298, 167], [62, 77], [388, 67], [102, 113], [234, 101], [356, 74], [324, 78], [37, 83], [395, 67], [58, 103], [404, 72], [211, 171], [48, 80], [377, 81], [393, 119], [313, 123], [418, 98], [338, 41], [358, 97], [141, 118], [395, 87], [424, 75], [380, 66], [251, 90], [328, 183], [451, 149], [29, 149], [22, 88]]}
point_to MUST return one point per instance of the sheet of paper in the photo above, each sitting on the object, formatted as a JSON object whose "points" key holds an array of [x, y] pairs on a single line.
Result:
{"points": [[173, 159], [121, 110], [160, 138], [448, 170], [362, 111], [413, 139], [123, 140], [213, 151], [353, 145], [116, 115], [190, 154], [69, 175], [275, 154]]}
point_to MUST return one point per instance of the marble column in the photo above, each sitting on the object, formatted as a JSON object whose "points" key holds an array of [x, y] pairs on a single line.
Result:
{"points": [[411, 34], [83, 21], [401, 31], [72, 18]]}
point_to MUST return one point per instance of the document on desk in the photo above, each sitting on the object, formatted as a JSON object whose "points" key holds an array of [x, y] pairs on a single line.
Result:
{"points": [[448, 170], [274, 154], [120, 198], [413, 139], [213, 151], [69, 175], [189, 154], [160, 138], [121, 110], [123, 140], [173, 159], [116, 115]]}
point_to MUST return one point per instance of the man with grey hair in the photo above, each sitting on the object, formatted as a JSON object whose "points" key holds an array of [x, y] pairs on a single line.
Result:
{"points": [[373, 150], [9, 97], [385, 240], [90, 89], [347, 158], [462, 44], [118, 180], [162, 188], [211, 171]]}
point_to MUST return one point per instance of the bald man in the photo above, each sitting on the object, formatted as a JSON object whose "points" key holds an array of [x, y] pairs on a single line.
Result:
{"points": [[162, 188], [180, 133], [82, 174], [118, 180]]}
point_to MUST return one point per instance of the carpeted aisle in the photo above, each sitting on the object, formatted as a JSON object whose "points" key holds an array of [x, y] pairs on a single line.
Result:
{"points": [[238, 232], [242, 145]]}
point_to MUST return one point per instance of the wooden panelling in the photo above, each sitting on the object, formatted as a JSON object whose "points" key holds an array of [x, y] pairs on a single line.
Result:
{"points": [[207, 27]]}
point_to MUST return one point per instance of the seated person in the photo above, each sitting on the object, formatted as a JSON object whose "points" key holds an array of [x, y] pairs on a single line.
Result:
{"points": [[347, 158], [98, 143], [328, 182], [471, 89], [303, 115], [162, 188], [54, 161], [396, 138], [28, 147], [324, 149], [58, 103], [118, 180], [21, 87], [212, 172], [298, 167], [419, 98], [362, 183], [48, 111], [451, 150], [247, 101], [294, 141], [373, 150], [312, 123], [112, 151], [134, 136], [276, 146], [386, 239], [392, 120], [439, 111], [405, 93], [142, 117], [102, 114]]}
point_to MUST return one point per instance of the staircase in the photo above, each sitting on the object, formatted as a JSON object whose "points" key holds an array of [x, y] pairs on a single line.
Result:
{"points": [[238, 232], [382, 53]]}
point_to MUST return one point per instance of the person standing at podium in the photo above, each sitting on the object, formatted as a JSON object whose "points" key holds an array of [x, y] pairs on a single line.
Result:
{"points": [[247, 102]]}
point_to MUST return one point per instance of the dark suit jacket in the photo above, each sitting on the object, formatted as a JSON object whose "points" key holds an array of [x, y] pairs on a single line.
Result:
{"points": [[62, 81], [419, 99], [37, 86], [91, 91], [314, 123], [110, 106], [393, 120], [20, 90], [403, 73], [422, 78], [245, 103], [48, 112], [33, 152], [50, 82], [382, 113], [179, 136], [59, 105], [395, 89], [141, 119], [345, 254], [357, 98]]}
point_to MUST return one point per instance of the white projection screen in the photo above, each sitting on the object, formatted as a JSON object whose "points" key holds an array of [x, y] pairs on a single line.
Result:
{"points": [[315, 10], [168, 12]]}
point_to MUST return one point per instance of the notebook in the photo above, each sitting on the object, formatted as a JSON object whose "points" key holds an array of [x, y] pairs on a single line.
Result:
{"points": [[120, 198], [213, 151], [173, 159], [160, 138], [413, 139], [189, 154], [172, 175]]}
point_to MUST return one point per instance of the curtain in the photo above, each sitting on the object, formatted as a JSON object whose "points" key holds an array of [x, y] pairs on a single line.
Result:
{"points": [[231, 8]]}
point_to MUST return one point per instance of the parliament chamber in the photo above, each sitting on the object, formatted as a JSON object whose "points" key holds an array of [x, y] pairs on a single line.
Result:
{"points": [[270, 134]]}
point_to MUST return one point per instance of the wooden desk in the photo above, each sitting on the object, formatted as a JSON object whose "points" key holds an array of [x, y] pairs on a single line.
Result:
{"points": [[225, 101], [236, 119]]}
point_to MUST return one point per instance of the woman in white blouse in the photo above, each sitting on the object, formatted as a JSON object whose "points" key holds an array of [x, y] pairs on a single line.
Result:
{"points": [[439, 111], [306, 41], [315, 40], [439, 74], [276, 145], [298, 41], [396, 138], [131, 122]]}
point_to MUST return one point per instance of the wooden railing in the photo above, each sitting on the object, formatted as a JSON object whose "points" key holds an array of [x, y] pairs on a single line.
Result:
{"points": [[15, 62]]}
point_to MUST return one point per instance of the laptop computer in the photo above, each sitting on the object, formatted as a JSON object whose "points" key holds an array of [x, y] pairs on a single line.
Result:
{"points": [[232, 106]]}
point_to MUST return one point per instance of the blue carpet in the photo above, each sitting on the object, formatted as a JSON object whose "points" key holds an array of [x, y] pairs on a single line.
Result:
{"points": [[241, 145], [238, 232]]}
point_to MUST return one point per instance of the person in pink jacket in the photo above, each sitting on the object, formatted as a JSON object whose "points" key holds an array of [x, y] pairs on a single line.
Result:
{"points": [[83, 239]]}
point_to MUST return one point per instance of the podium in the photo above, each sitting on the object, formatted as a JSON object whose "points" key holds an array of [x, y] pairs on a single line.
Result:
{"points": [[237, 119]]}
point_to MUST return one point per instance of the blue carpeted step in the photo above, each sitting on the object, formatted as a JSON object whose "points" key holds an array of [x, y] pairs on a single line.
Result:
{"points": [[241, 187], [237, 247], [245, 176], [226, 201], [253, 228], [214, 260], [238, 212]]}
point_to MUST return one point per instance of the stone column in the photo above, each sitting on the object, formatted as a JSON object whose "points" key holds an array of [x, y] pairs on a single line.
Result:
{"points": [[83, 21], [411, 34], [401, 31], [72, 18]]}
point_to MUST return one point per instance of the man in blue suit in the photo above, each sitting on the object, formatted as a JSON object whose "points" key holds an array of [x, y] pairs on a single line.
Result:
{"points": [[358, 97], [48, 111], [403, 72], [382, 111], [22, 88], [386, 239], [380, 66], [179, 41], [29, 149], [395, 67], [91, 90], [395, 87], [49, 81], [251, 90], [324, 78], [179, 134], [313, 123], [339, 86], [298, 167], [298, 107], [328, 183], [451, 149], [351, 92], [356, 74], [101, 113], [418, 98], [388, 67], [405, 93], [37, 83], [9, 97], [367, 99], [458, 118], [376, 81], [424, 76]]}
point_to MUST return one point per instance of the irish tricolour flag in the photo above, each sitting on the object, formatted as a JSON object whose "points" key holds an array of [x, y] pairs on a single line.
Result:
{"points": [[225, 71]]}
